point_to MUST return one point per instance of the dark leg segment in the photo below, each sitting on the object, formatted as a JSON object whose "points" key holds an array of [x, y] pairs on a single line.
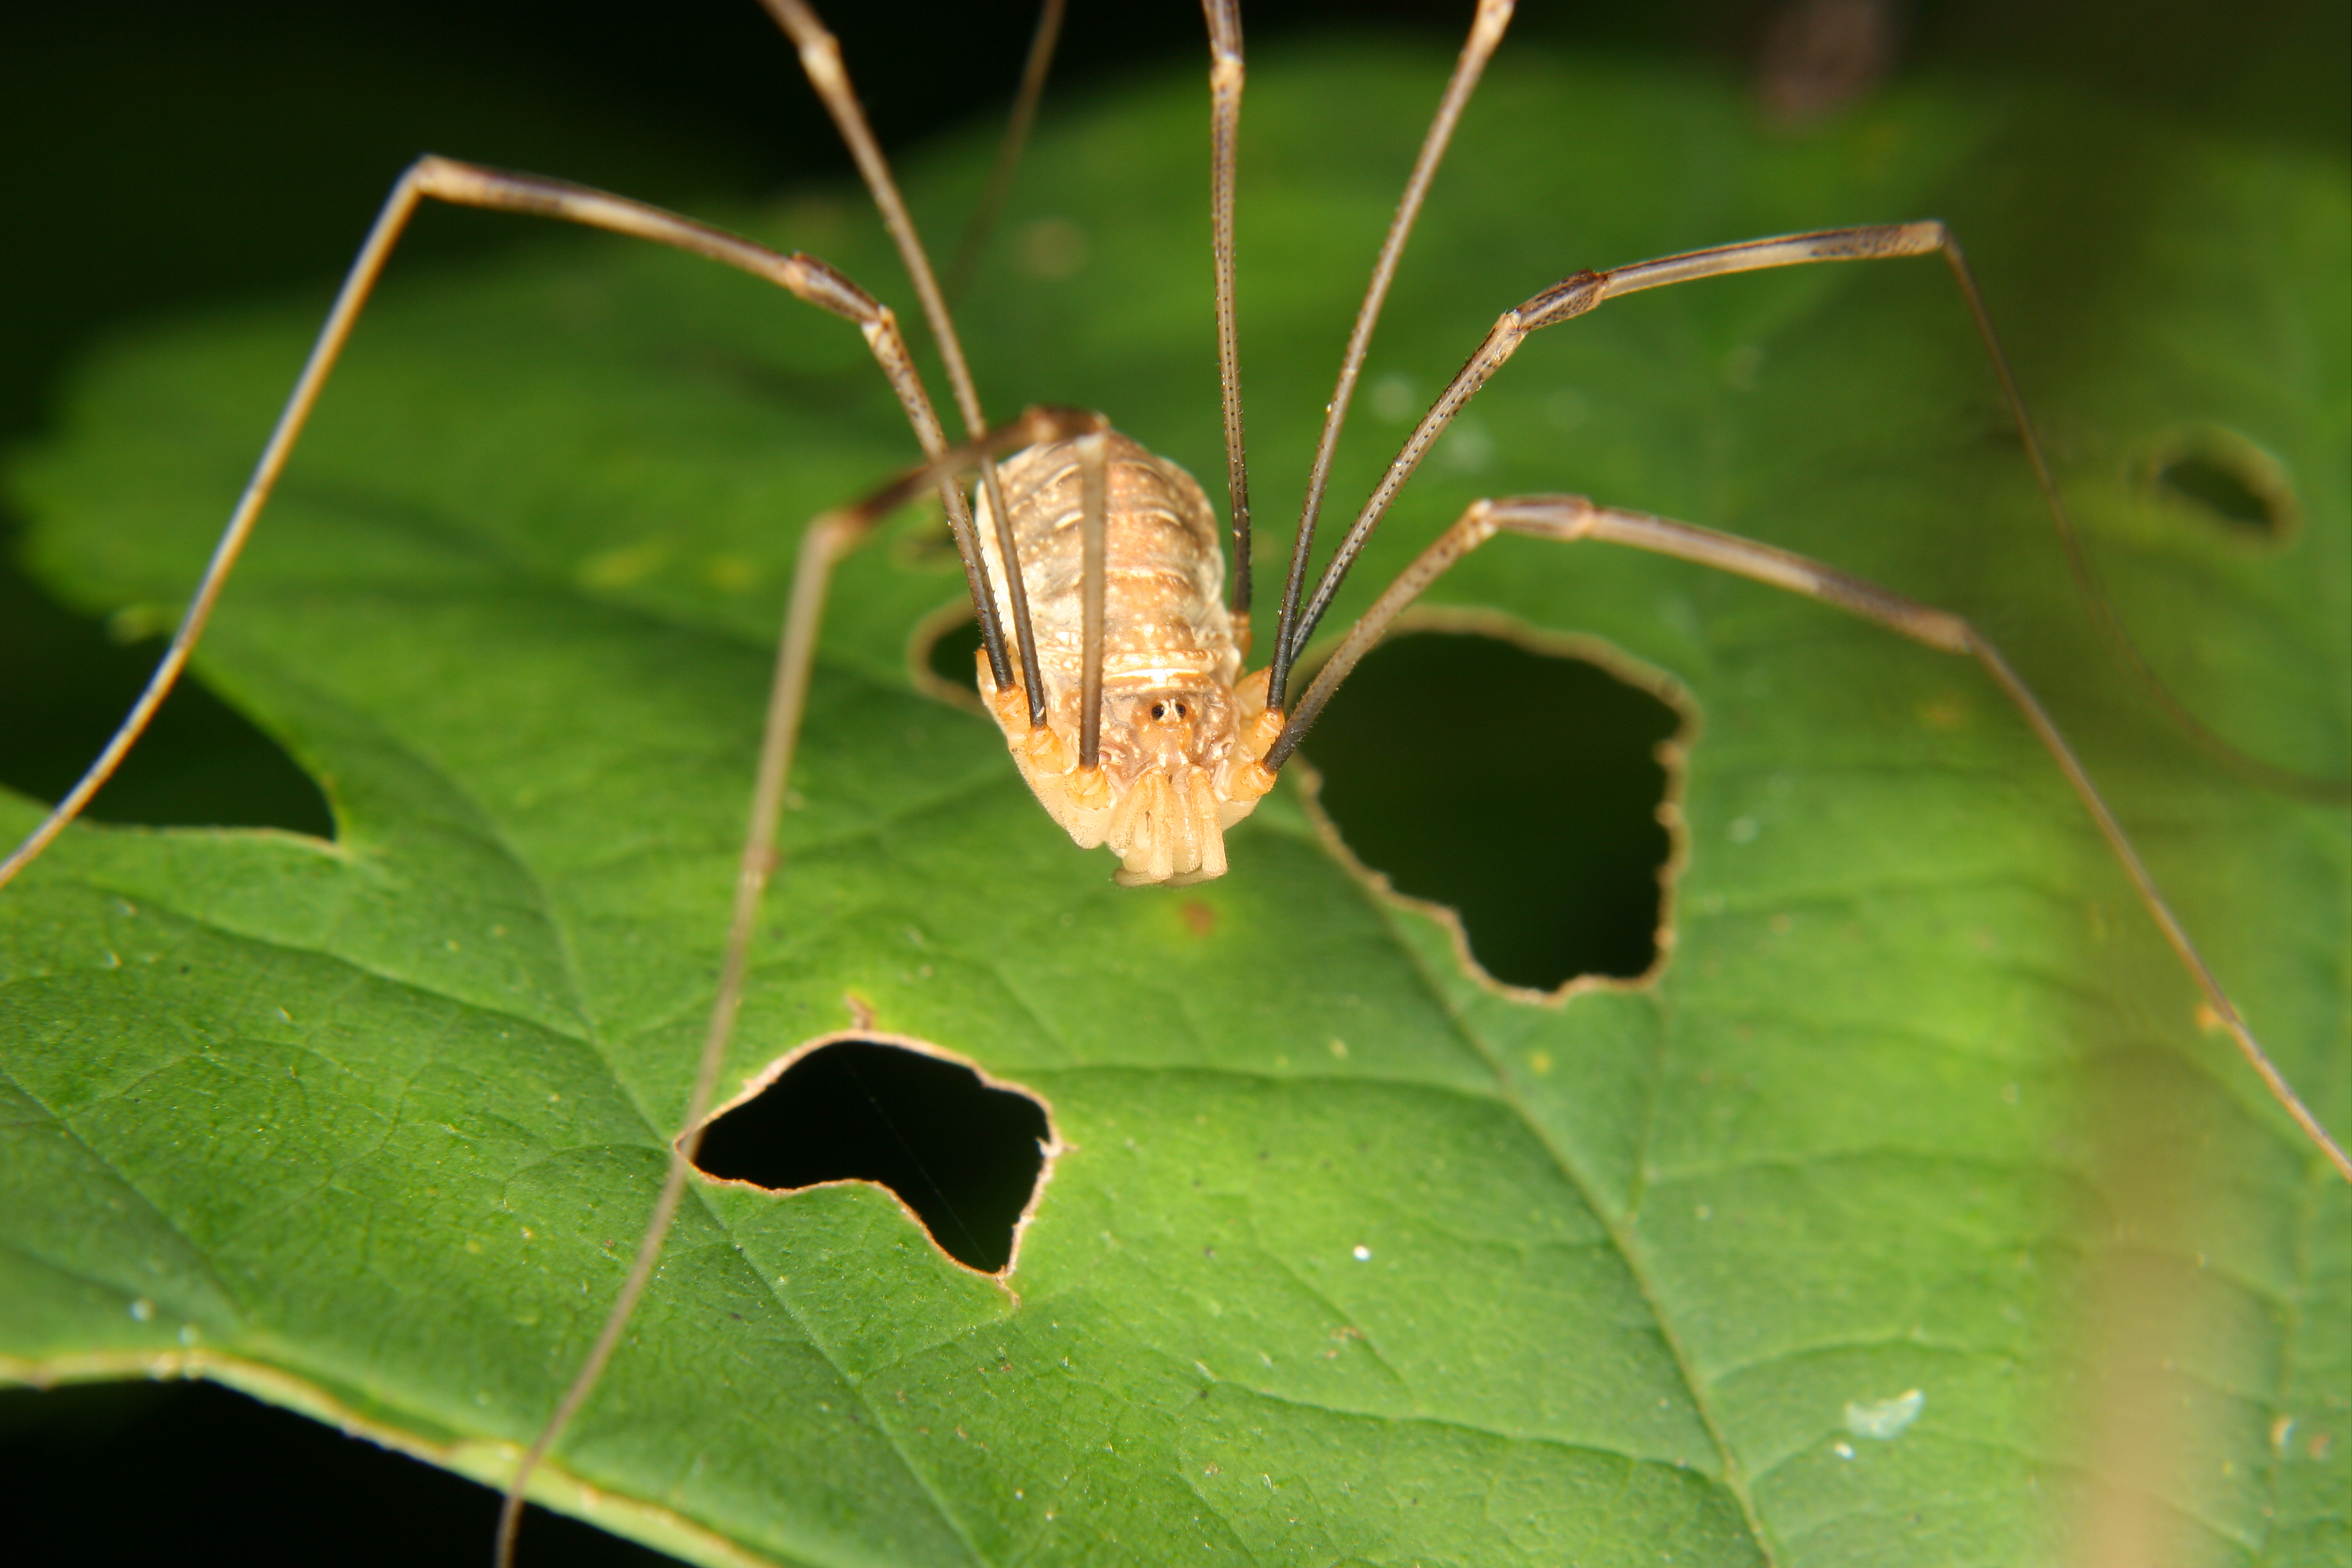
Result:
{"points": [[1225, 76], [1094, 522]]}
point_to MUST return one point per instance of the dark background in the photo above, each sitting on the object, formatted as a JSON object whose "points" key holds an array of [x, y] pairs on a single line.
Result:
{"points": [[157, 158]]}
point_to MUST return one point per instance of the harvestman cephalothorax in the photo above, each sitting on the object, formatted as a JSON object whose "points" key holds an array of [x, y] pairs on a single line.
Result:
{"points": [[1113, 640]]}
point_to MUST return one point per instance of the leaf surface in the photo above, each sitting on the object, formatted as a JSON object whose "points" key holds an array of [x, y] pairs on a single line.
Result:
{"points": [[1352, 1257]]}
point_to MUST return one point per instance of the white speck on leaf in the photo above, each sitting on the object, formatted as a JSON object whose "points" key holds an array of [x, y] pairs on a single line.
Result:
{"points": [[1884, 1419], [143, 1308], [1363, 1255]]}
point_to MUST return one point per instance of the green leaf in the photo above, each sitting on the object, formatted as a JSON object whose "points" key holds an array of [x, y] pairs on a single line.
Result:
{"points": [[1351, 1256]]}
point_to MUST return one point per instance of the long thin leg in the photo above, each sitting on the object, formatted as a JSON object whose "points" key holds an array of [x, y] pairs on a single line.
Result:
{"points": [[828, 539], [1008, 152], [1226, 74], [1576, 295], [1567, 518], [820, 54], [467, 185], [1573, 297], [1486, 34], [2093, 596]]}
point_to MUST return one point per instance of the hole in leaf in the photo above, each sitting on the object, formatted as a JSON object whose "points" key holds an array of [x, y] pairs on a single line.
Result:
{"points": [[1519, 788], [2220, 489], [2229, 481], [941, 654], [963, 1154], [225, 1479], [65, 684], [954, 652]]}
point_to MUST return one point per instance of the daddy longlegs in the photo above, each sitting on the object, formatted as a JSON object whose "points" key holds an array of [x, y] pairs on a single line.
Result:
{"points": [[1114, 742]]}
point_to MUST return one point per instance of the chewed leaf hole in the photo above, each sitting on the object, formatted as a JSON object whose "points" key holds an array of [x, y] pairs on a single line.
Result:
{"points": [[1521, 788], [951, 653], [65, 681], [963, 1154], [939, 656], [2230, 482]]}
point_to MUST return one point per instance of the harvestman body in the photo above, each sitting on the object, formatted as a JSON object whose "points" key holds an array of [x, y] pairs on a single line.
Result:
{"points": [[1112, 645], [1179, 742]]}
